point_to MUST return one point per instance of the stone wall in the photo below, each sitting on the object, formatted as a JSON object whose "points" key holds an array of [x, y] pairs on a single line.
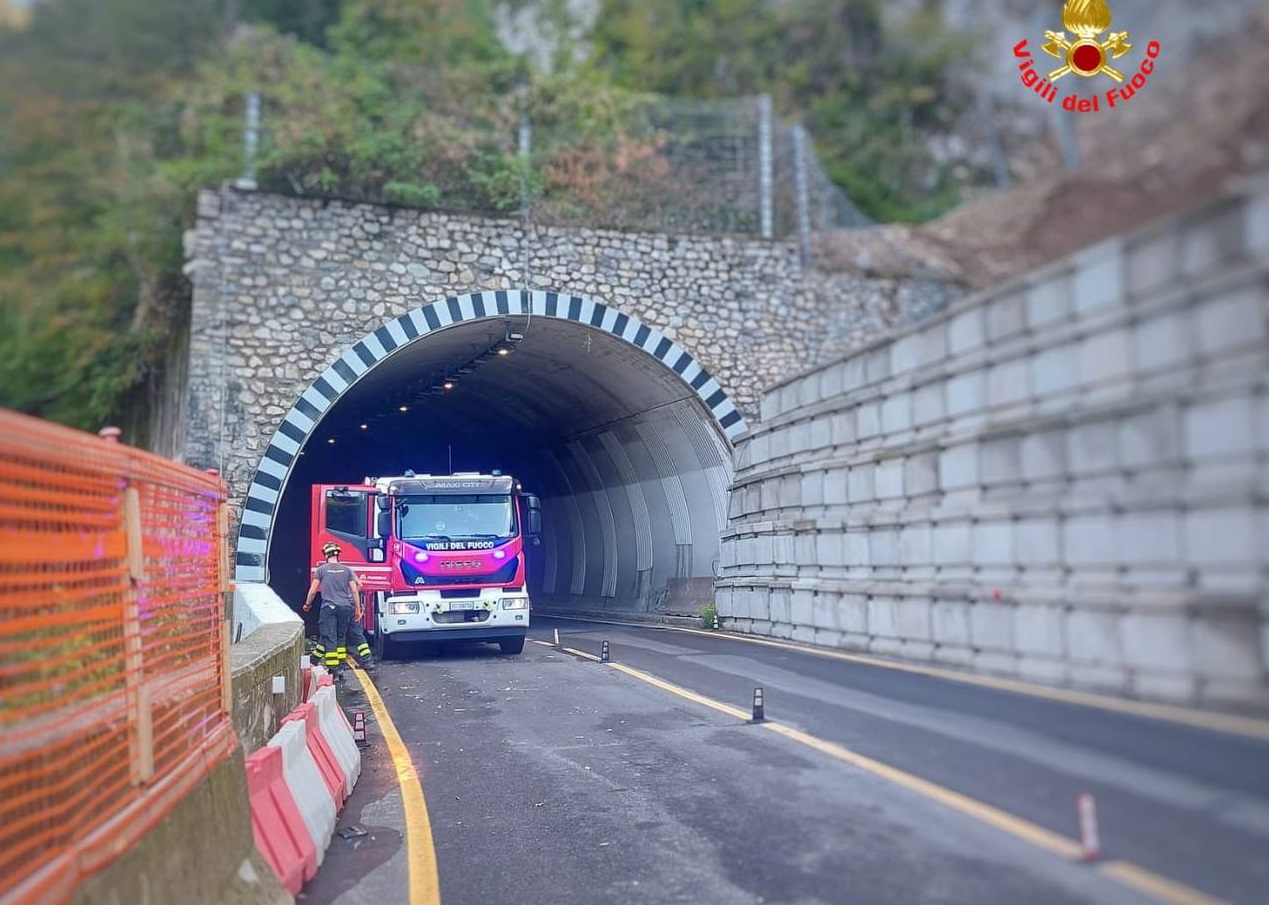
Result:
{"points": [[1063, 480], [283, 286]]}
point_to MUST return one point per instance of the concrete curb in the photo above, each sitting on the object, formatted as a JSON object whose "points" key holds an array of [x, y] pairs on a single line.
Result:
{"points": [[620, 617]]}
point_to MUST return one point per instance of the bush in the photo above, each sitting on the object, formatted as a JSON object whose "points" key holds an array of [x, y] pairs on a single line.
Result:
{"points": [[709, 612]]}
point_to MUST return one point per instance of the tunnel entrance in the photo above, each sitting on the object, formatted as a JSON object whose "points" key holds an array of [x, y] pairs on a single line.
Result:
{"points": [[620, 431]]}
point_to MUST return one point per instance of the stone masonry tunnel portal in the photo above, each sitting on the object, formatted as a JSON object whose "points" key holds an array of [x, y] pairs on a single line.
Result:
{"points": [[621, 433]]}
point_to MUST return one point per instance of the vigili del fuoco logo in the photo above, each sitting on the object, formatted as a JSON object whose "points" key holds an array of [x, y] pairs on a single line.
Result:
{"points": [[1092, 51]]}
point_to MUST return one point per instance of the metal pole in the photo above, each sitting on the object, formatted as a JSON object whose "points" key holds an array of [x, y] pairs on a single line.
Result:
{"points": [[1063, 124], [526, 148], [766, 176], [251, 142], [995, 141], [802, 187], [526, 151]]}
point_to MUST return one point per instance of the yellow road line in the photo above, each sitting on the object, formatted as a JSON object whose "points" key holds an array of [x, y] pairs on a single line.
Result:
{"points": [[682, 692], [1014, 826], [1138, 878], [1153, 885], [1231, 724], [580, 653], [420, 850]]}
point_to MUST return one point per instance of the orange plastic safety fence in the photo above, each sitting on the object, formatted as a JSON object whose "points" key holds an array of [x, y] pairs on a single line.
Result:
{"points": [[112, 661]]}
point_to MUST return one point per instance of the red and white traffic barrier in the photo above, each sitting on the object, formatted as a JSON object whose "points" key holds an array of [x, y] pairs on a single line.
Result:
{"points": [[300, 779], [314, 677], [327, 763], [281, 835], [338, 735], [1090, 839], [304, 779]]}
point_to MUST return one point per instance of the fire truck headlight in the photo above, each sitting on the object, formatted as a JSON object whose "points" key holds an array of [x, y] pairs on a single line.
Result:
{"points": [[515, 603], [402, 608], [420, 556], [500, 554]]}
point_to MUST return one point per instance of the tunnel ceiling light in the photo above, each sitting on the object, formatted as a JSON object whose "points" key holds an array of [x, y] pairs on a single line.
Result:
{"points": [[331, 440], [365, 427], [430, 386]]}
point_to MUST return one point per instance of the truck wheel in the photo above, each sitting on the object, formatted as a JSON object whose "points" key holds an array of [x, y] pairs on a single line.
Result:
{"points": [[513, 646], [382, 646]]}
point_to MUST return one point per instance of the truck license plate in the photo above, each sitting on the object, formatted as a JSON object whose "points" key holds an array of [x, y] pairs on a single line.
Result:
{"points": [[462, 605]]}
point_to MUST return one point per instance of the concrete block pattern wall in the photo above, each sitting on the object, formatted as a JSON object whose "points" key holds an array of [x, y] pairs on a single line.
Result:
{"points": [[1063, 480]]}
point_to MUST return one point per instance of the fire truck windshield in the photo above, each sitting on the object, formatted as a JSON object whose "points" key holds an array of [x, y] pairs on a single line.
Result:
{"points": [[451, 516]]}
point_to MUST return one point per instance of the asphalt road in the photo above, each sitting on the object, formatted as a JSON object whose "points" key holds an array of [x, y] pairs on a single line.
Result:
{"points": [[553, 779]]}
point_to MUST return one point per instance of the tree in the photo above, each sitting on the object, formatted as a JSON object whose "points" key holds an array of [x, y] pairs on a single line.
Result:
{"points": [[434, 33], [90, 225], [308, 20], [873, 93]]}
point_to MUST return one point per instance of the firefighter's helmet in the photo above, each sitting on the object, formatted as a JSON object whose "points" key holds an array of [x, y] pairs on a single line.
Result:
{"points": [[330, 549]]}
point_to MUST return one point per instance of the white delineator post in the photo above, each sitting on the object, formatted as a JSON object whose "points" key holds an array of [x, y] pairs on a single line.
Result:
{"points": [[1090, 839]]}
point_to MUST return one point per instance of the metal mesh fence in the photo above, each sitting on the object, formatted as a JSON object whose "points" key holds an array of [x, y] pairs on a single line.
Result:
{"points": [[112, 649], [622, 161], [670, 166]]}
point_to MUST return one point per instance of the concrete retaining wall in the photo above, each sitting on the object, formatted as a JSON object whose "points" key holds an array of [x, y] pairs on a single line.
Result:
{"points": [[202, 854], [269, 654], [256, 605], [1064, 479]]}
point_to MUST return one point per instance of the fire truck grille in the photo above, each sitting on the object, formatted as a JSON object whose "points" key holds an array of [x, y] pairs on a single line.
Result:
{"points": [[460, 616]]}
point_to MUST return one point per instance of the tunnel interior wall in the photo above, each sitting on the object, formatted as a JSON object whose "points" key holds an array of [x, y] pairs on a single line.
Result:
{"points": [[630, 507], [1063, 480]]}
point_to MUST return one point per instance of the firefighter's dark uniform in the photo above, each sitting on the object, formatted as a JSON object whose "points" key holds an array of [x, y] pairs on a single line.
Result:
{"points": [[335, 581], [357, 641]]}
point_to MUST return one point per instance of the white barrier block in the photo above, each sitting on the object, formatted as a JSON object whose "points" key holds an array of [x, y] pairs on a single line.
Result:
{"points": [[338, 735], [304, 779]]}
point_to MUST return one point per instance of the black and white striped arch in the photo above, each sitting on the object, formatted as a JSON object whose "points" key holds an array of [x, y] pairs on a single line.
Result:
{"points": [[271, 476]]}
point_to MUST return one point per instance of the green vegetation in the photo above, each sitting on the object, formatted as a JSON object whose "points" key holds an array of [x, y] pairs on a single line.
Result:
{"points": [[113, 113], [873, 95], [709, 612]]}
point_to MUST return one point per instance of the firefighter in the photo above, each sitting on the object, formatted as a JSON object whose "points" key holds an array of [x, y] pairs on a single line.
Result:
{"points": [[357, 639], [340, 592]]}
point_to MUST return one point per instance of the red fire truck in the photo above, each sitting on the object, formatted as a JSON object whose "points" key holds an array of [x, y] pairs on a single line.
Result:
{"points": [[439, 557]]}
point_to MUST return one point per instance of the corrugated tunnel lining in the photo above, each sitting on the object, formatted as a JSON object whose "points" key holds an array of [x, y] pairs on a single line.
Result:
{"points": [[627, 450]]}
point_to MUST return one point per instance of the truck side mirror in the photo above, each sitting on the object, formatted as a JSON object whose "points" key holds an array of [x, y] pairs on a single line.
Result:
{"points": [[535, 522], [383, 501], [384, 524]]}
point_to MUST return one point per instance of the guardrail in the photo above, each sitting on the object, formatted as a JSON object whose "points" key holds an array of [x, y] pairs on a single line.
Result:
{"points": [[114, 688]]}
